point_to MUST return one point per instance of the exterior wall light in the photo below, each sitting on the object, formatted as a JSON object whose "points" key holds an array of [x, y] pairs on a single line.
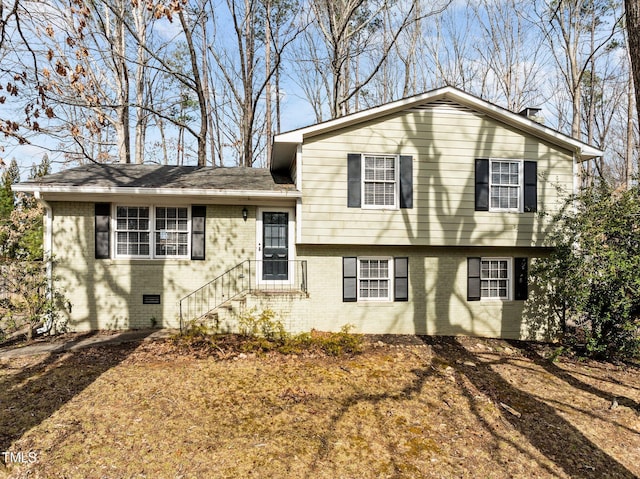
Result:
{"points": [[245, 213]]}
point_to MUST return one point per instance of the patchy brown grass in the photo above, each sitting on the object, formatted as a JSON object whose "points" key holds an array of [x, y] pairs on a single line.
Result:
{"points": [[430, 407]]}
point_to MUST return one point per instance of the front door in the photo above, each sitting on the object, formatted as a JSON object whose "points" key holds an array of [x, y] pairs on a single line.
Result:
{"points": [[275, 250]]}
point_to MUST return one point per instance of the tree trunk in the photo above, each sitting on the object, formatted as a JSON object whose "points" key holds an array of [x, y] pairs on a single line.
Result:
{"points": [[630, 146], [124, 140], [197, 85], [207, 94], [267, 91], [141, 114], [632, 12]]}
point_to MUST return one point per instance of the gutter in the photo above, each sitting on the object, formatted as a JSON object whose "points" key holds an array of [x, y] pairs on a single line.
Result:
{"points": [[47, 256], [38, 189]]}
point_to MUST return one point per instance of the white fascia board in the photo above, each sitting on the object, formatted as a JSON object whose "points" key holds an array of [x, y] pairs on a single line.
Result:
{"points": [[128, 191], [297, 136], [584, 151]]}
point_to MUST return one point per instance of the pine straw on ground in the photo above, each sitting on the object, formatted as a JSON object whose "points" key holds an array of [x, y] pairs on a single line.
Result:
{"points": [[428, 407]]}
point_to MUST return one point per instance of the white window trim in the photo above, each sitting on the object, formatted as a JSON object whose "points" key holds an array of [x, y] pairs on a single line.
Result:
{"points": [[509, 261], [151, 231], [391, 277], [396, 181], [520, 207]]}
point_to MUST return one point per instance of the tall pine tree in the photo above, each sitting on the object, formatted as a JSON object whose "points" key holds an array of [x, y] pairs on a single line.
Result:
{"points": [[7, 198]]}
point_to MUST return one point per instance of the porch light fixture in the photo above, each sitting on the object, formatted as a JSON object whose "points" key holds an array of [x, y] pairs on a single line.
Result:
{"points": [[245, 213]]}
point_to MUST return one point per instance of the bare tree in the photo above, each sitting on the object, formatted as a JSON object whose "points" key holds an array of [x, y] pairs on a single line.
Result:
{"points": [[510, 53], [449, 47], [576, 32], [348, 29], [239, 71], [22, 94], [197, 85], [632, 16]]}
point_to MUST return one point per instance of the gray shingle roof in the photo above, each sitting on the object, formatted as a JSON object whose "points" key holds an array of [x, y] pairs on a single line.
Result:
{"points": [[171, 177]]}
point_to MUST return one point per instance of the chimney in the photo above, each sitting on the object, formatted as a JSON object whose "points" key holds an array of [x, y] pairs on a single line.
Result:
{"points": [[533, 114]]}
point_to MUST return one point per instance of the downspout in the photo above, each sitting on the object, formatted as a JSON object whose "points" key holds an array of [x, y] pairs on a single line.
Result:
{"points": [[47, 256], [576, 156], [577, 184], [298, 181]]}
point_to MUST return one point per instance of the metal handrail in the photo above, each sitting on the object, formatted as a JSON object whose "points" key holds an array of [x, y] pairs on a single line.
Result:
{"points": [[235, 282]]}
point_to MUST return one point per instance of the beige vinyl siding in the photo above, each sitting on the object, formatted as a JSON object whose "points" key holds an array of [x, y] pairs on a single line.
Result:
{"points": [[444, 144]]}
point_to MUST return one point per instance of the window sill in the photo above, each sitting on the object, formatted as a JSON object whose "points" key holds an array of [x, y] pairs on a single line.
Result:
{"points": [[380, 208], [508, 211], [374, 303], [149, 261]]}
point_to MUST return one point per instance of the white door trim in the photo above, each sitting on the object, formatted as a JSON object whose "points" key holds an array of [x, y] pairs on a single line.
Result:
{"points": [[291, 231]]}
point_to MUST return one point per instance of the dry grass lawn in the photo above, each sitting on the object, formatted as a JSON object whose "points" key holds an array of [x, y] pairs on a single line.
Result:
{"points": [[430, 407]]}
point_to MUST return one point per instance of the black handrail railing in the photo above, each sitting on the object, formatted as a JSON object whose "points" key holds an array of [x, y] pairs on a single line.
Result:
{"points": [[274, 276]]}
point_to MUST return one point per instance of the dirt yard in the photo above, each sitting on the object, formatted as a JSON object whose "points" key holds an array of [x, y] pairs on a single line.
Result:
{"points": [[426, 407]]}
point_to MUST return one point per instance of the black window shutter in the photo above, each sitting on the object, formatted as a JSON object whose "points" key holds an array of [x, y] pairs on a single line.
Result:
{"points": [[102, 233], [401, 279], [406, 182], [521, 279], [354, 173], [473, 279], [198, 221], [482, 185], [349, 279], [530, 186]]}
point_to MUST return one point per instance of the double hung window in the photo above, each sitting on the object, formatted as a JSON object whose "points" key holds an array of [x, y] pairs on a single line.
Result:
{"points": [[380, 181], [495, 278], [503, 279], [152, 232], [505, 186], [171, 232], [132, 231], [374, 279]]}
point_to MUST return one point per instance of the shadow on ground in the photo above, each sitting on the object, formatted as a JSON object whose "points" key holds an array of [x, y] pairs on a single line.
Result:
{"points": [[555, 437], [33, 393]]}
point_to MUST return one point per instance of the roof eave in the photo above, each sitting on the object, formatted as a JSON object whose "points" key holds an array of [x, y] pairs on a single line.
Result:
{"points": [[128, 191], [585, 152]]}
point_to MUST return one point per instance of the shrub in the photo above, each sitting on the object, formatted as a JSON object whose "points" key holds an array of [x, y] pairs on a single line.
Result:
{"points": [[591, 277], [262, 324], [28, 301], [260, 331]]}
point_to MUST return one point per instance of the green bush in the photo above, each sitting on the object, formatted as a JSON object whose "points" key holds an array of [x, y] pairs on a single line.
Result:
{"points": [[591, 277], [263, 325], [29, 299]]}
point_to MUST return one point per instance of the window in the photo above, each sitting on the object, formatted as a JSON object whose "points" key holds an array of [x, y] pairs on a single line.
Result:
{"points": [[135, 238], [505, 185], [380, 180], [373, 279], [495, 278], [172, 231], [132, 231]]}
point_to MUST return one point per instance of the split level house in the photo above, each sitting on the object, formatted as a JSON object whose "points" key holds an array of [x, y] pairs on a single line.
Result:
{"points": [[421, 216]]}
